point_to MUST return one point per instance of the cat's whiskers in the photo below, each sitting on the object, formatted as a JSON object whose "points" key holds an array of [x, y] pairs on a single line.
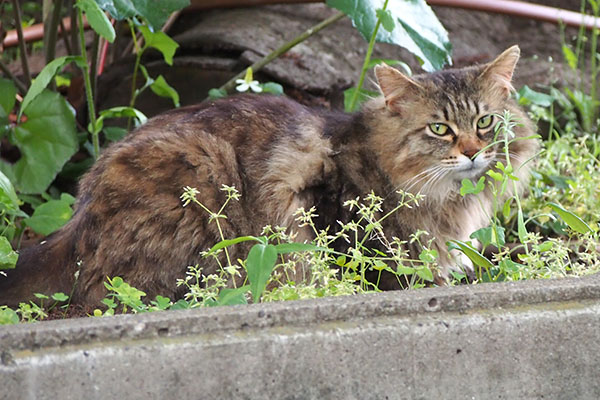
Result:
{"points": [[427, 173], [441, 173], [516, 157], [502, 157], [409, 182]]}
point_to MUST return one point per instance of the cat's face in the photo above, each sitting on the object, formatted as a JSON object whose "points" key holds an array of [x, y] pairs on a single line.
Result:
{"points": [[443, 124]]}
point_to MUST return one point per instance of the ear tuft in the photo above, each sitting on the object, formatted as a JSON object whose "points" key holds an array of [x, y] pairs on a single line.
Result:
{"points": [[500, 71], [394, 85]]}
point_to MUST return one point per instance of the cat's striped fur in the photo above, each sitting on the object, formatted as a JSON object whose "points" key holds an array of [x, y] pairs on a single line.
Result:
{"points": [[129, 220]]}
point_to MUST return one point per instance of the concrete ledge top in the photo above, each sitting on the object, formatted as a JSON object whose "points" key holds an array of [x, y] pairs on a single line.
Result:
{"points": [[501, 341], [459, 299]]}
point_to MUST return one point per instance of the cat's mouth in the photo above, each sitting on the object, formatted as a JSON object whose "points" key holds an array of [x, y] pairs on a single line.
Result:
{"points": [[469, 173], [471, 169]]}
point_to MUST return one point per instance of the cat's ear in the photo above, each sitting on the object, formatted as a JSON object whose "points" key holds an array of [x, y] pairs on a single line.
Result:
{"points": [[499, 72], [395, 86]]}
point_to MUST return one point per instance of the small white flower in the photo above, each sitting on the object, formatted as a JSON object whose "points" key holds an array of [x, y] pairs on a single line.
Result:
{"points": [[244, 85]]}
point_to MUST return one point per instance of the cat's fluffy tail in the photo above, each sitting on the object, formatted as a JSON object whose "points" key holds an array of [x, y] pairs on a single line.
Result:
{"points": [[46, 268]]}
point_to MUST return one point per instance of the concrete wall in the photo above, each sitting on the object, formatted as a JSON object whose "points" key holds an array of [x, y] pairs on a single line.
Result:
{"points": [[528, 340]]}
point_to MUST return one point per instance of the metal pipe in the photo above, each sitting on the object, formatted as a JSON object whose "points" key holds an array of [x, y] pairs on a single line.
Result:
{"points": [[508, 7], [524, 10], [33, 33]]}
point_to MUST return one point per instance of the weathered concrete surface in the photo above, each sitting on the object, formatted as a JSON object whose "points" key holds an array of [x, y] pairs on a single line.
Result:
{"points": [[528, 340]]}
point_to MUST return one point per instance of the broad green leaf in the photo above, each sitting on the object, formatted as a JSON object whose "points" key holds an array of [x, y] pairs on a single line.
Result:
{"points": [[458, 275], [259, 264], [428, 255], [51, 215], [570, 57], [387, 21], [8, 91], [417, 29], [161, 302], [215, 93], [8, 197], [59, 296], [379, 265], [181, 304], [8, 257], [47, 141], [230, 242], [119, 112], [363, 95], [232, 297], [508, 265], [585, 105], [402, 270], [154, 11], [546, 246], [494, 175], [114, 133], [425, 274], [489, 235], [161, 42], [272, 87], [45, 77], [469, 188], [529, 96], [340, 261], [574, 221], [285, 248], [122, 111], [8, 316], [161, 88], [97, 19], [471, 252], [118, 9]]}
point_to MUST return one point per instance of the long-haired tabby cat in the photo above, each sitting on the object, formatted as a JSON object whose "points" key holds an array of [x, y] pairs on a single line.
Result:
{"points": [[424, 134]]}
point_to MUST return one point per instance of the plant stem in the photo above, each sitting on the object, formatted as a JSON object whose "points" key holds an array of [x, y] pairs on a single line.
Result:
{"points": [[74, 30], [20, 85], [94, 63], [365, 66], [138, 58], [63, 34], [579, 50], [282, 49], [88, 86], [22, 45], [594, 70], [52, 32]]}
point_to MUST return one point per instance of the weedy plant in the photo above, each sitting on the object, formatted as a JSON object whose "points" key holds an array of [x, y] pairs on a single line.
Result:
{"points": [[277, 268]]}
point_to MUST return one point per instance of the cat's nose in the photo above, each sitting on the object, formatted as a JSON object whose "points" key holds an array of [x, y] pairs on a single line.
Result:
{"points": [[470, 151]]}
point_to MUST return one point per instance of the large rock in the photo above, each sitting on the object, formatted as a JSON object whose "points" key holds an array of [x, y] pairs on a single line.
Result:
{"points": [[217, 44]]}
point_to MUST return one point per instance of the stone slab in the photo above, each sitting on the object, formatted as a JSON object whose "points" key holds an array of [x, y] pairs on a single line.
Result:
{"points": [[526, 340]]}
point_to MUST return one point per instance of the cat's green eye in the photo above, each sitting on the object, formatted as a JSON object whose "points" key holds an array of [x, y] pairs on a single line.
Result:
{"points": [[485, 121], [439, 129]]}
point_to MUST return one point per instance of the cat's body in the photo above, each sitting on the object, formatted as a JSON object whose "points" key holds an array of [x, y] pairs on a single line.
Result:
{"points": [[130, 222]]}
